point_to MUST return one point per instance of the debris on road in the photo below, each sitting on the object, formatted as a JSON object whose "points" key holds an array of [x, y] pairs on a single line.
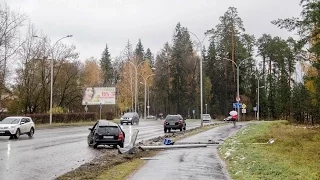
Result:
{"points": [[130, 149], [173, 146]]}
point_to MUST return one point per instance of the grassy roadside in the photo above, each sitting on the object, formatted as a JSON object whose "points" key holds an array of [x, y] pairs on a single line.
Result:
{"points": [[117, 167], [293, 155], [80, 123]]}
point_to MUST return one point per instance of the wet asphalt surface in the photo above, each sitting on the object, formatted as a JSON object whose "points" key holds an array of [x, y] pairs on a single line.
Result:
{"points": [[53, 152], [190, 163]]}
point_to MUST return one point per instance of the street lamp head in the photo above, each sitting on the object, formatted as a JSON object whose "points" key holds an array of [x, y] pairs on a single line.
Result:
{"points": [[69, 35]]}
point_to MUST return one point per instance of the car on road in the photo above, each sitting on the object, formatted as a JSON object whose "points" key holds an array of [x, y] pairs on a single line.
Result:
{"points": [[173, 122], [14, 126], [151, 117], [206, 117], [129, 117], [106, 133]]}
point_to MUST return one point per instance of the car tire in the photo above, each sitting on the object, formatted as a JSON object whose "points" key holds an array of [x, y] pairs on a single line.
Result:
{"points": [[185, 128], [165, 130], [169, 130], [95, 145], [180, 129], [121, 123], [31, 132], [131, 123], [121, 145], [17, 135]]}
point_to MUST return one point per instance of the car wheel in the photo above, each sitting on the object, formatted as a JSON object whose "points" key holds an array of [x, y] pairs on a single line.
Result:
{"points": [[31, 132], [17, 135], [95, 145], [165, 130], [131, 123], [185, 128], [121, 123], [180, 129], [169, 130], [121, 145]]}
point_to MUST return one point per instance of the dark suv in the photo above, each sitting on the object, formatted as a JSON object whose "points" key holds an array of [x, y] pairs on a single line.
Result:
{"points": [[106, 133], [130, 117], [174, 122]]}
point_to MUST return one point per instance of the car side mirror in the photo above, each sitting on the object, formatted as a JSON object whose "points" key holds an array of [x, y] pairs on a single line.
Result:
{"points": [[22, 123], [90, 129]]}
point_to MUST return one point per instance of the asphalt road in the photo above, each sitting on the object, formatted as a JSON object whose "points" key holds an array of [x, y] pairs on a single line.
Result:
{"points": [[190, 163], [53, 152]]}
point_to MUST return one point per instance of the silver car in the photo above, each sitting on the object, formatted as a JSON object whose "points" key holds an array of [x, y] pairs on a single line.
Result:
{"points": [[130, 117]]}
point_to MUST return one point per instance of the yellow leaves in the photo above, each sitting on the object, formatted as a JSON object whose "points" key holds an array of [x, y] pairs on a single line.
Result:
{"points": [[92, 75], [309, 84]]}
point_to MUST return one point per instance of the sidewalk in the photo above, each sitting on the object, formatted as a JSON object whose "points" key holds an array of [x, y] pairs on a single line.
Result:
{"points": [[192, 163]]}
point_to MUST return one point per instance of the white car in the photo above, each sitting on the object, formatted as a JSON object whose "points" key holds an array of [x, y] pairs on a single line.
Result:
{"points": [[14, 126], [206, 117]]}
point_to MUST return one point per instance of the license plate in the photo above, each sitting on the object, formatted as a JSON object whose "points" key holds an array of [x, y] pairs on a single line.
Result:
{"points": [[172, 123], [1, 132], [108, 137]]}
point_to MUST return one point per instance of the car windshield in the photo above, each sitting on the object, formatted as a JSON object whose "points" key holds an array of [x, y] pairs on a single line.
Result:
{"points": [[10, 120], [128, 115], [108, 129], [172, 118]]}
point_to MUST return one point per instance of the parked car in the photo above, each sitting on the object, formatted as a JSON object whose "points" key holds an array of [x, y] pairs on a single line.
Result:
{"points": [[206, 117], [130, 117], [229, 118], [14, 126], [151, 117], [174, 122], [106, 133]]}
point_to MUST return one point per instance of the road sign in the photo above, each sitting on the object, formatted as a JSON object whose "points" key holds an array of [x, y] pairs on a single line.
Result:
{"points": [[244, 111], [237, 105], [244, 106], [238, 99], [255, 108]]}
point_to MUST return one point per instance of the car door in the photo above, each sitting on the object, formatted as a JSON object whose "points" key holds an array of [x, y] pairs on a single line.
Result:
{"points": [[23, 125], [28, 124]]}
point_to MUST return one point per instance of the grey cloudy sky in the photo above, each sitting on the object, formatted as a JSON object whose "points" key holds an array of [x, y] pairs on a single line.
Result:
{"points": [[93, 23]]}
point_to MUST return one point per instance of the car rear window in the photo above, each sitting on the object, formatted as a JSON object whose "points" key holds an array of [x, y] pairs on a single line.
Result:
{"points": [[108, 129], [172, 118]]}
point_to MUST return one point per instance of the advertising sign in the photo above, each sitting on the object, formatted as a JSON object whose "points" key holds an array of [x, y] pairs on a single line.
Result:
{"points": [[99, 95]]}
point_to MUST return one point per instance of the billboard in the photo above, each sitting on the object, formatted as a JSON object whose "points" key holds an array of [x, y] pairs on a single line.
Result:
{"points": [[99, 95]]}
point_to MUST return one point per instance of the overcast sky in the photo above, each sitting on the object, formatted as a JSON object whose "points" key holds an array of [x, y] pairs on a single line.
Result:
{"points": [[93, 23]]}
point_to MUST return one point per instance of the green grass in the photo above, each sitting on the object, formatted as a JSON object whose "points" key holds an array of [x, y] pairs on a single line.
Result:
{"points": [[295, 154], [80, 123]]}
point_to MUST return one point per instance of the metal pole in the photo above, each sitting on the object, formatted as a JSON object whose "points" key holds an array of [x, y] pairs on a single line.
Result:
{"points": [[51, 81], [145, 100], [258, 101], [238, 94], [206, 109], [148, 100], [201, 90], [51, 88]]}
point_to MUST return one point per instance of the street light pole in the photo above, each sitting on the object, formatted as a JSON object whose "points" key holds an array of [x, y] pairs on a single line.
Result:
{"points": [[258, 91], [145, 94], [201, 83], [136, 84], [238, 83], [51, 83]]}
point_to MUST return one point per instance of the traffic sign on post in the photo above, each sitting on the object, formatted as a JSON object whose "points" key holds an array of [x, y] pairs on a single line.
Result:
{"points": [[238, 99], [244, 106], [255, 108], [244, 111]]}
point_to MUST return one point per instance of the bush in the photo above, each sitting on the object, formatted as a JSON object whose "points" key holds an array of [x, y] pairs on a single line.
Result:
{"points": [[59, 118], [110, 115]]}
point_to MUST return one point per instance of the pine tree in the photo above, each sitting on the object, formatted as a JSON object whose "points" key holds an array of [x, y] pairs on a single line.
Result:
{"points": [[149, 57], [139, 52], [106, 67]]}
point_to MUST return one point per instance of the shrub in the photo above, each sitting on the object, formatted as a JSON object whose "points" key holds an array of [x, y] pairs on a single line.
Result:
{"points": [[59, 118], [110, 115]]}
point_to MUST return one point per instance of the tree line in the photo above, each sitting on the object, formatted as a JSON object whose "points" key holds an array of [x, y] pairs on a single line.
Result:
{"points": [[171, 75]]}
